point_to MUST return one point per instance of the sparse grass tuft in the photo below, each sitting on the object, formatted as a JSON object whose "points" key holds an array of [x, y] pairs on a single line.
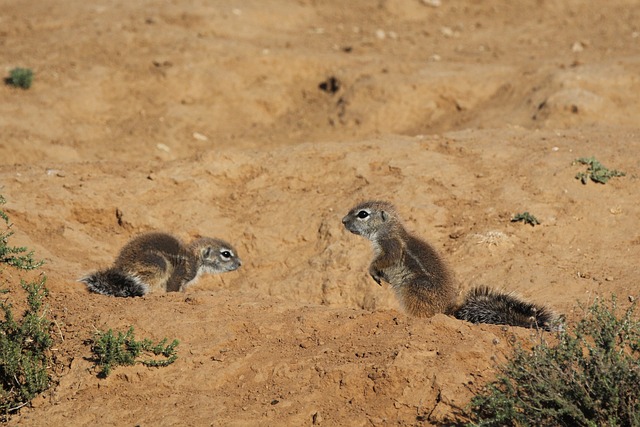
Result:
{"points": [[20, 77], [589, 378], [113, 350], [595, 171], [527, 218]]}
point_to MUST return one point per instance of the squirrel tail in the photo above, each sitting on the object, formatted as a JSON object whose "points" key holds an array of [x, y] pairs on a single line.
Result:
{"points": [[115, 283], [484, 305]]}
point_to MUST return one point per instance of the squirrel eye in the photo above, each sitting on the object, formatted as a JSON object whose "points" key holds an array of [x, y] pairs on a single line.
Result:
{"points": [[225, 254], [362, 214]]}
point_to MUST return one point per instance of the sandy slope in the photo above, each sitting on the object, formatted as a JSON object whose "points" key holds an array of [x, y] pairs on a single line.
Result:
{"points": [[207, 118]]}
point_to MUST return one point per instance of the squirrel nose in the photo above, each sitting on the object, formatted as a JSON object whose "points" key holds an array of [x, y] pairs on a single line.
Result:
{"points": [[344, 220]]}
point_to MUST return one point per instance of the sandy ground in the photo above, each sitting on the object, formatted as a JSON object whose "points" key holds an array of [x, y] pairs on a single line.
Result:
{"points": [[262, 123]]}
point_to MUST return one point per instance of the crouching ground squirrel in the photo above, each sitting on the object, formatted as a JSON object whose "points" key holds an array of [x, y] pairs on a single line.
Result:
{"points": [[422, 281], [155, 262]]}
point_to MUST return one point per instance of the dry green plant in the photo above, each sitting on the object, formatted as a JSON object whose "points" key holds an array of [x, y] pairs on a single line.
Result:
{"points": [[527, 218], [25, 342], [20, 77], [589, 378], [595, 171], [111, 350], [13, 255]]}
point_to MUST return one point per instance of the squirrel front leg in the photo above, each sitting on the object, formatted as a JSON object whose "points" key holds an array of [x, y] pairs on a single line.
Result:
{"points": [[390, 254]]}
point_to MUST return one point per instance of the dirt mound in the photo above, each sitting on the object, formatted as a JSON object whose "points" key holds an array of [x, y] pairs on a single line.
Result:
{"points": [[262, 125]]}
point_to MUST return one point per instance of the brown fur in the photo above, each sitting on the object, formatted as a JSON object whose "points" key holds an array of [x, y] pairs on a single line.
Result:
{"points": [[420, 278], [159, 262]]}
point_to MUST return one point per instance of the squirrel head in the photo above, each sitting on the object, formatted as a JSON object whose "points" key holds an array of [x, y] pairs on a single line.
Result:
{"points": [[215, 255], [371, 219]]}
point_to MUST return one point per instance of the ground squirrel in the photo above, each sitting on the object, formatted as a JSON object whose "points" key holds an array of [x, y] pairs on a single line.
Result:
{"points": [[160, 262], [422, 281]]}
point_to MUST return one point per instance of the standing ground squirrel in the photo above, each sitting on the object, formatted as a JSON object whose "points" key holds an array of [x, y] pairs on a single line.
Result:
{"points": [[422, 281], [155, 262]]}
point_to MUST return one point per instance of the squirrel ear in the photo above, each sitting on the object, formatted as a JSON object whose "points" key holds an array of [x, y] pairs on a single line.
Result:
{"points": [[384, 215], [206, 253]]}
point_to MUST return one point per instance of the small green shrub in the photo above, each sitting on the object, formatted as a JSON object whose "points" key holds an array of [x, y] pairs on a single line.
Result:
{"points": [[24, 351], [15, 256], [20, 77], [112, 350], [589, 378], [25, 343], [527, 218], [595, 171]]}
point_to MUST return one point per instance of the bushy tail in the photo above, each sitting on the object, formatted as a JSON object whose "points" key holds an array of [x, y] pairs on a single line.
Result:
{"points": [[115, 283], [484, 305]]}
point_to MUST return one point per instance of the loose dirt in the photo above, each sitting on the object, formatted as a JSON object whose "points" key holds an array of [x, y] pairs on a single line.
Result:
{"points": [[262, 123]]}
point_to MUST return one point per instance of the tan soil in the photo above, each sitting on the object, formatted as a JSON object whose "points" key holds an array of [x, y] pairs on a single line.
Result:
{"points": [[206, 118]]}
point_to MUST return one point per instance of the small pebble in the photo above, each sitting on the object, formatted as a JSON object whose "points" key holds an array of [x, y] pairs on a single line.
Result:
{"points": [[200, 137], [447, 31], [163, 147]]}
